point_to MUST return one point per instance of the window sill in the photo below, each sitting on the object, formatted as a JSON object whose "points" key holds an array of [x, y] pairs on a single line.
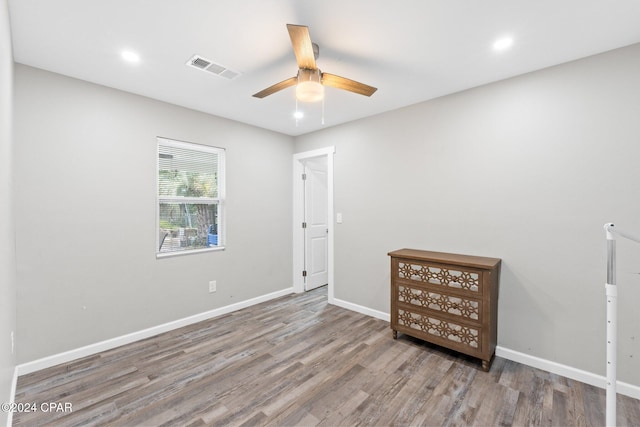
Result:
{"points": [[189, 252]]}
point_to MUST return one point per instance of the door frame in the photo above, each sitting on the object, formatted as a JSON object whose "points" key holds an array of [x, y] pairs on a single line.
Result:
{"points": [[298, 217]]}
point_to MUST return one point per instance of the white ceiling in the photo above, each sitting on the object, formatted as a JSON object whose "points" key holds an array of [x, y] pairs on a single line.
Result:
{"points": [[411, 50]]}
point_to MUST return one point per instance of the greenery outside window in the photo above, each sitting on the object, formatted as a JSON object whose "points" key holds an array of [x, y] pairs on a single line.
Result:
{"points": [[190, 197]]}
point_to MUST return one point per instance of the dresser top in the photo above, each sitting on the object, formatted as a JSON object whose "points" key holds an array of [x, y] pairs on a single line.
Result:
{"points": [[446, 258]]}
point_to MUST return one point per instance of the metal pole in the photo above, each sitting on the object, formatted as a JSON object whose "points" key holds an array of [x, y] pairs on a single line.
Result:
{"points": [[612, 314], [612, 318]]}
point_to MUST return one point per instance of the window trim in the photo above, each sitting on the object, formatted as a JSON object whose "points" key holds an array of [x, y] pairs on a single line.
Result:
{"points": [[221, 152]]}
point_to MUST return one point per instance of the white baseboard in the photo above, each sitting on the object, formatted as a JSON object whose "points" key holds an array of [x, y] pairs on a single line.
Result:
{"points": [[526, 359], [567, 371], [67, 356], [361, 309]]}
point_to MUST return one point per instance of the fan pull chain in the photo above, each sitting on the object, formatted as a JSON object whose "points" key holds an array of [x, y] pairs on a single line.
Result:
{"points": [[323, 111], [296, 113]]}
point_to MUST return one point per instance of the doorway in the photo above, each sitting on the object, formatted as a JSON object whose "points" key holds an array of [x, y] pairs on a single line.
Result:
{"points": [[313, 220], [315, 223]]}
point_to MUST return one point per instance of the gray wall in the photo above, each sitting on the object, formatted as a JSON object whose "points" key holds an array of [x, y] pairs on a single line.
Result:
{"points": [[85, 170], [7, 233], [527, 170]]}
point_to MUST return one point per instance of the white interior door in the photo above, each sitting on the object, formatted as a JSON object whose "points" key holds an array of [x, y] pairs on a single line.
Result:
{"points": [[316, 223]]}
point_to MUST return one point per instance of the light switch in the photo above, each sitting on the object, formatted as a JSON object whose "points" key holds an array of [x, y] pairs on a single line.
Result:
{"points": [[339, 218]]}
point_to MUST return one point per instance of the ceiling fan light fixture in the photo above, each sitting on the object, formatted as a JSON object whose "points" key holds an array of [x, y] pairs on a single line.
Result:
{"points": [[309, 92], [309, 88]]}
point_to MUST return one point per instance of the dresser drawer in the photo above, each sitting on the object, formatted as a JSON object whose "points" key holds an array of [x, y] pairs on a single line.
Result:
{"points": [[453, 277], [447, 333], [469, 309]]}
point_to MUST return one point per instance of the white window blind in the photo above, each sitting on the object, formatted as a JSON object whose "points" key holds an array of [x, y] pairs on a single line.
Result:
{"points": [[190, 197]]}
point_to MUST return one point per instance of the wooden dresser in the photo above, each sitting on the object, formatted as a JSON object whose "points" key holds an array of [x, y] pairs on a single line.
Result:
{"points": [[446, 299]]}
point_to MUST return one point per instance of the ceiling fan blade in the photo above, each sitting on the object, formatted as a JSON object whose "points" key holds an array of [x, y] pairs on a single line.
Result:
{"points": [[347, 84], [302, 46], [277, 87]]}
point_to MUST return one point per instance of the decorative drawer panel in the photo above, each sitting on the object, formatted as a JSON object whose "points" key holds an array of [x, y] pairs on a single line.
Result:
{"points": [[467, 280], [456, 333], [468, 309]]}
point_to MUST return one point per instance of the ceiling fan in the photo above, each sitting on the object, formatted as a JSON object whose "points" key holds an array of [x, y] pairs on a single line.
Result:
{"points": [[310, 81]]}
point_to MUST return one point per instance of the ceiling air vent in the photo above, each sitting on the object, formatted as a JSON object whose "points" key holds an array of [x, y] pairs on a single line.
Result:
{"points": [[204, 64]]}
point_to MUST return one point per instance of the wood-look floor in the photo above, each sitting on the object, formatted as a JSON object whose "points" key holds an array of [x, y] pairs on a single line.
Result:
{"points": [[297, 361]]}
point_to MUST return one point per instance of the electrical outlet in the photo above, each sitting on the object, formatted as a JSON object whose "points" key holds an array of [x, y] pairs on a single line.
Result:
{"points": [[212, 286]]}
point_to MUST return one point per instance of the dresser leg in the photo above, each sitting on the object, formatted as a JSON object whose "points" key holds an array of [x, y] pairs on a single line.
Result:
{"points": [[486, 364], [395, 334]]}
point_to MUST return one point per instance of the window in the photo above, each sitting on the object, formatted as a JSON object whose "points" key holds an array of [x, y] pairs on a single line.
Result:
{"points": [[190, 197]]}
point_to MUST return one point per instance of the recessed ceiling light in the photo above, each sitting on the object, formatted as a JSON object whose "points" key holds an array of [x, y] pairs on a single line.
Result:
{"points": [[130, 56], [503, 43]]}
